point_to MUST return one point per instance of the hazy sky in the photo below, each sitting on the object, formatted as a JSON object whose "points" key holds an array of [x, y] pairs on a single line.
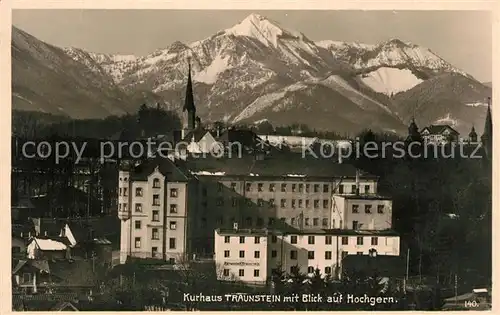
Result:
{"points": [[463, 38]]}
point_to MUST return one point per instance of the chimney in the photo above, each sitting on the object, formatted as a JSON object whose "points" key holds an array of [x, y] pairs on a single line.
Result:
{"points": [[357, 181], [235, 226], [45, 233]]}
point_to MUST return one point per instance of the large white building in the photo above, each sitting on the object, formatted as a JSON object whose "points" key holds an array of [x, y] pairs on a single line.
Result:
{"points": [[251, 255]]}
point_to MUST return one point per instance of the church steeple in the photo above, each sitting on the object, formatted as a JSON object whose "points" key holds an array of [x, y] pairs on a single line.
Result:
{"points": [[413, 133], [472, 135], [189, 110], [487, 137]]}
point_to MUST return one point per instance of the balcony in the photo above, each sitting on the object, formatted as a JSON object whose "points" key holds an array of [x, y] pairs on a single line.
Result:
{"points": [[123, 215]]}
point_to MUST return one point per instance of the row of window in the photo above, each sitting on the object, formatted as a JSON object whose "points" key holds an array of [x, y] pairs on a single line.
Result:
{"points": [[295, 203], [368, 208], [310, 269], [294, 188], [241, 273], [311, 239], [171, 243], [172, 225], [174, 192], [156, 213]]}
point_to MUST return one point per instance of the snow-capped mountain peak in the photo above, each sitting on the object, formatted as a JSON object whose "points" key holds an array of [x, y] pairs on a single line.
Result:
{"points": [[261, 28]]}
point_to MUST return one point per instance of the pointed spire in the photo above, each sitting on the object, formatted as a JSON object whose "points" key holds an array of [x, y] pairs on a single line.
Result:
{"points": [[189, 99], [488, 126]]}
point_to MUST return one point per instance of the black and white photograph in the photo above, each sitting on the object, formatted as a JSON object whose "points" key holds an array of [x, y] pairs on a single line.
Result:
{"points": [[251, 160]]}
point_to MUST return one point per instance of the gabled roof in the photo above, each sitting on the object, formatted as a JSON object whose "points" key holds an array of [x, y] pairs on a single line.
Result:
{"points": [[41, 265], [439, 129], [198, 134], [64, 307], [50, 244], [165, 167]]}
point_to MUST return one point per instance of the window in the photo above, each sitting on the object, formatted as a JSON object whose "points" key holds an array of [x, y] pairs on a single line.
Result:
{"points": [[242, 240], [316, 188], [233, 186], [138, 207], [355, 225], [345, 240], [375, 241], [310, 239], [293, 239], [325, 222], [359, 240], [294, 269], [120, 192], [283, 203], [219, 201], [226, 253], [341, 189], [283, 187], [294, 187], [259, 187], [156, 234], [359, 253], [293, 203], [328, 240], [256, 254], [156, 183], [173, 225], [26, 277], [241, 272], [380, 208], [234, 201], [156, 200], [154, 251], [173, 208], [328, 255], [344, 254], [355, 208], [328, 270], [124, 207], [307, 188], [138, 192], [272, 187], [274, 239], [315, 221], [256, 273], [354, 189], [325, 203], [137, 225], [260, 202], [283, 219], [293, 254], [368, 208], [307, 203], [242, 254], [274, 254], [137, 242], [248, 187], [301, 187], [325, 188], [367, 189], [292, 221], [226, 272], [316, 204], [271, 202], [257, 240], [300, 203], [125, 193], [307, 221], [171, 243], [310, 269], [271, 221], [227, 239], [173, 192], [310, 255]]}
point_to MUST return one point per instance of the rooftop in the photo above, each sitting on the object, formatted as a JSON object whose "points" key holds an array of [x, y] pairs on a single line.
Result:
{"points": [[363, 197], [336, 232]]}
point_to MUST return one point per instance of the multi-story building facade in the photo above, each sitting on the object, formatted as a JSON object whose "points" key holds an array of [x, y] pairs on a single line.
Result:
{"points": [[153, 208], [251, 255], [361, 212]]}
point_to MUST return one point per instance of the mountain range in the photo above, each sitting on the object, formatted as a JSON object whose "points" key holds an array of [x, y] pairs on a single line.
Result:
{"points": [[254, 71]]}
